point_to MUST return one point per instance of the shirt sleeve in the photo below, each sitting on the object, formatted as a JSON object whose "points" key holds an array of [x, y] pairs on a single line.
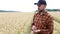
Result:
{"points": [[35, 20], [50, 25]]}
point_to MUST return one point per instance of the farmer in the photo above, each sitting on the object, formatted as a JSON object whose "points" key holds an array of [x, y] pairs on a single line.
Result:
{"points": [[42, 20]]}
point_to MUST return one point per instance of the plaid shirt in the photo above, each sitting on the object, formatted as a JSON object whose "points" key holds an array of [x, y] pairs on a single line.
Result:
{"points": [[43, 21]]}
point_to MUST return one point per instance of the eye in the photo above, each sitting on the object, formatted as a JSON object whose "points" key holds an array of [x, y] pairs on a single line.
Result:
{"points": [[39, 5]]}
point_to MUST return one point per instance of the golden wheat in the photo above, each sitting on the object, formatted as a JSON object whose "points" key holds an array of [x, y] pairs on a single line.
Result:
{"points": [[20, 22]]}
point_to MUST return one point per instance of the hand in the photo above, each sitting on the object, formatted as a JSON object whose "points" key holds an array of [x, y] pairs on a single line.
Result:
{"points": [[44, 29], [37, 30], [34, 28]]}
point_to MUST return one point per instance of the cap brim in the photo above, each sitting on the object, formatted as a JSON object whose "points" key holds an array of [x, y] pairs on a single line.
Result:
{"points": [[37, 4]]}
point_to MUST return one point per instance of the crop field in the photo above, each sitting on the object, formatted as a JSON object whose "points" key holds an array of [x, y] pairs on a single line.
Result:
{"points": [[20, 22]]}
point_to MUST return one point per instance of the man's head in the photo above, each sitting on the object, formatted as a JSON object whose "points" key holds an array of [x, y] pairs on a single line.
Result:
{"points": [[41, 5]]}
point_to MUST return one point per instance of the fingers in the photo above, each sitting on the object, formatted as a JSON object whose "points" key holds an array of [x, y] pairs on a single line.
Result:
{"points": [[34, 28]]}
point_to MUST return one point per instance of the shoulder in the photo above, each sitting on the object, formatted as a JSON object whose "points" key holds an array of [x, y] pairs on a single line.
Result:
{"points": [[50, 16], [35, 14]]}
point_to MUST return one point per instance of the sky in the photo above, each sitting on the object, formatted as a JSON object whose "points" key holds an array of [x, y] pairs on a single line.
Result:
{"points": [[26, 5]]}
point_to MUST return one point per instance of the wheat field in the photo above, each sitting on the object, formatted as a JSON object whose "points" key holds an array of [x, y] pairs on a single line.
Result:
{"points": [[20, 22]]}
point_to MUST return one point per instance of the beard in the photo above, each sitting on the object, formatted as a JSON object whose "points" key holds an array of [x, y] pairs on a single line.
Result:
{"points": [[41, 10]]}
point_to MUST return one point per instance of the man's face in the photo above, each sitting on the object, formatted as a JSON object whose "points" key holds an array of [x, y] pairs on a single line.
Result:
{"points": [[41, 7]]}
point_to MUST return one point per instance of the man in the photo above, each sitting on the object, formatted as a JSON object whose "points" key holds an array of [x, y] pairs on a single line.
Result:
{"points": [[42, 21]]}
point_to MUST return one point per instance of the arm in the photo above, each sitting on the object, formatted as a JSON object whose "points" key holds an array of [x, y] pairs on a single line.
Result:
{"points": [[50, 25], [35, 20]]}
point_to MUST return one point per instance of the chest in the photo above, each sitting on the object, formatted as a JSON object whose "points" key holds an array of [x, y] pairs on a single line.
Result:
{"points": [[41, 18], [41, 23]]}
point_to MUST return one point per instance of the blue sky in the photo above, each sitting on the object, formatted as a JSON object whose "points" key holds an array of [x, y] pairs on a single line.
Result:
{"points": [[26, 5]]}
